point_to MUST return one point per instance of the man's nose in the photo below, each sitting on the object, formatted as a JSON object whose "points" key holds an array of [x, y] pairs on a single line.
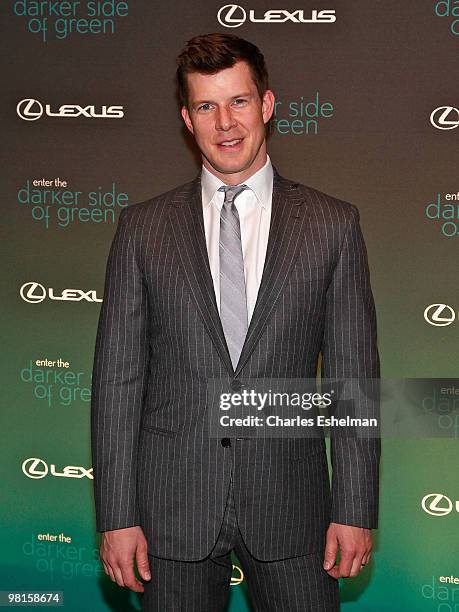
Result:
{"points": [[224, 120]]}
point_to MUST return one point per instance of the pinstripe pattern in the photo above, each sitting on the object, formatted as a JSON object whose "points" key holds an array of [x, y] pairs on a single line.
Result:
{"points": [[160, 338], [299, 584]]}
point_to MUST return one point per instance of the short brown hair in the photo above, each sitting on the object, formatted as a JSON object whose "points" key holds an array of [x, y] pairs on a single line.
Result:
{"points": [[210, 53]]}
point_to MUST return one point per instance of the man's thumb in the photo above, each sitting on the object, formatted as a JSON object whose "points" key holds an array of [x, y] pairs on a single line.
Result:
{"points": [[143, 565], [331, 550]]}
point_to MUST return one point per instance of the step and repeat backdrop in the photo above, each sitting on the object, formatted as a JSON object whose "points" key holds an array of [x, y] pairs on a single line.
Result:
{"points": [[367, 102]]}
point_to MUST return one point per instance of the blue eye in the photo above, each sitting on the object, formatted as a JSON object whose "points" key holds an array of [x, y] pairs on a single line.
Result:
{"points": [[204, 107]]}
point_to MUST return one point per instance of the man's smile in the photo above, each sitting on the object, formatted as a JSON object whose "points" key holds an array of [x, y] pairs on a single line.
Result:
{"points": [[230, 143], [234, 144]]}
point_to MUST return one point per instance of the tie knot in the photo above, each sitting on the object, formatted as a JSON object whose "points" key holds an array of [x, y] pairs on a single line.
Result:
{"points": [[231, 191]]}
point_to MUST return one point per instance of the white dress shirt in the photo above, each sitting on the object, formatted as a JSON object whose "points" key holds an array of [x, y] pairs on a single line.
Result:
{"points": [[254, 209]]}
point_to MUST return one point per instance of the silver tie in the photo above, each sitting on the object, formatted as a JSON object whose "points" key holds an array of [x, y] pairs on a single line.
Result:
{"points": [[233, 299]]}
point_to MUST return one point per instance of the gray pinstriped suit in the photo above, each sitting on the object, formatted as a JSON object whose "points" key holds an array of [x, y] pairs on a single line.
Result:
{"points": [[160, 338]]}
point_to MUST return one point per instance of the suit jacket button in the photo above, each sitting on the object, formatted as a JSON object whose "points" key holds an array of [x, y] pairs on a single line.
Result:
{"points": [[236, 385], [225, 442]]}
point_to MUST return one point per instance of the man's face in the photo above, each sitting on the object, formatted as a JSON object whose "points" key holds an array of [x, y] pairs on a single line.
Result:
{"points": [[227, 118]]}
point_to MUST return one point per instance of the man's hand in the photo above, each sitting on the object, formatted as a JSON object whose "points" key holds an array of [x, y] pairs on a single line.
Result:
{"points": [[355, 544], [117, 551]]}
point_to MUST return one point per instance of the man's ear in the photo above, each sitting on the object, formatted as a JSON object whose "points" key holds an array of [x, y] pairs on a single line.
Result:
{"points": [[186, 118], [267, 105]]}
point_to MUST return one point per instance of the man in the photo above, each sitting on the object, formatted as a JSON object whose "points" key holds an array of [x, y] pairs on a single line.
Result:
{"points": [[238, 274]]}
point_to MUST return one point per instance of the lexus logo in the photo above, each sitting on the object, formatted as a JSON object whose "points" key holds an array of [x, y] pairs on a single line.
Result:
{"points": [[231, 16], [34, 468], [30, 109], [37, 468], [35, 293], [439, 315], [445, 118], [234, 15], [437, 504]]}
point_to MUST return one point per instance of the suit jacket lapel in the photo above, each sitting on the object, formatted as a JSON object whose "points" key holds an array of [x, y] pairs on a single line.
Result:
{"points": [[287, 219], [187, 224]]}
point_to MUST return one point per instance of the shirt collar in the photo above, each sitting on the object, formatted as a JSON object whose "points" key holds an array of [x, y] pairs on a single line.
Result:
{"points": [[261, 183]]}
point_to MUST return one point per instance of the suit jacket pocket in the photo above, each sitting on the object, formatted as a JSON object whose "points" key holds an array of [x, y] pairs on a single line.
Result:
{"points": [[159, 430]]}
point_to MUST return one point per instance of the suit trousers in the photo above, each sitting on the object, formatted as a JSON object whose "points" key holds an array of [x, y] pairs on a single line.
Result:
{"points": [[299, 584]]}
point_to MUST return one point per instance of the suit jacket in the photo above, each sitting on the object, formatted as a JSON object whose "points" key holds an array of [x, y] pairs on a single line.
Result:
{"points": [[159, 339]]}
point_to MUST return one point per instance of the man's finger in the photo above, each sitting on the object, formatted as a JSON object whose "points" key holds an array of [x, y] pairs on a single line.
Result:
{"points": [[105, 567], [110, 572], [345, 563], [118, 575], [366, 558], [129, 578], [143, 565], [357, 564], [331, 550]]}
